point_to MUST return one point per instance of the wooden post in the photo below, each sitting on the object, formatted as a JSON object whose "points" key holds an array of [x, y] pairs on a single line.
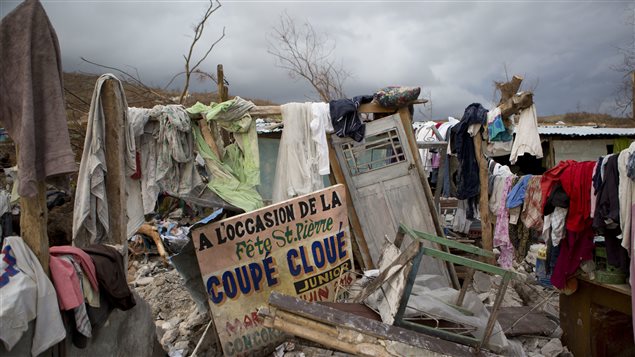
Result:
{"points": [[113, 106], [223, 94], [633, 99], [487, 236], [33, 220]]}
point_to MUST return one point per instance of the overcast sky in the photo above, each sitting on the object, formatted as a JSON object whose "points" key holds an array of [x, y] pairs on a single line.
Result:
{"points": [[452, 50]]}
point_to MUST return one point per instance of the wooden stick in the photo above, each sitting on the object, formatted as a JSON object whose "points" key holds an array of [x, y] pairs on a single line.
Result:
{"points": [[152, 232]]}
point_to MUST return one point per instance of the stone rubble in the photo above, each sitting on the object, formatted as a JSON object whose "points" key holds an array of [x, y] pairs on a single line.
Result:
{"points": [[179, 324]]}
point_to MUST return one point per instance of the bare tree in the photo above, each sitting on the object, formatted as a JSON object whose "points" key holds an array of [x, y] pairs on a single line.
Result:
{"points": [[624, 91], [191, 66], [307, 54]]}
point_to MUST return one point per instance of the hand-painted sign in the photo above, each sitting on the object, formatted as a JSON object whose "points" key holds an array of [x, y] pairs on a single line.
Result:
{"points": [[299, 247]]}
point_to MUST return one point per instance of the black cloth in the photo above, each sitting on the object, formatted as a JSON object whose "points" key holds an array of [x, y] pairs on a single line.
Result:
{"points": [[111, 276], [606, 218], [597, 178], [345, 118], [468, 179], [616, 255], [557, 198]]}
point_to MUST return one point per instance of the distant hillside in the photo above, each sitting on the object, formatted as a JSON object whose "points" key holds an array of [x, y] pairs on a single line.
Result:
{"points": [[78, 88], [591, 119]]}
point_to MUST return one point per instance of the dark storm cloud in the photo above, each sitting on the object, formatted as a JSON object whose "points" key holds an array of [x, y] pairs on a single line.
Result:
{"points": [[454, 51]]}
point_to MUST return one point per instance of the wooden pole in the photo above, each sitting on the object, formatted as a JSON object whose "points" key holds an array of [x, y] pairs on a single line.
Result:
{"points": [[487, 236], [223, 94], [114, 112], [33, 220], [633, 99]]}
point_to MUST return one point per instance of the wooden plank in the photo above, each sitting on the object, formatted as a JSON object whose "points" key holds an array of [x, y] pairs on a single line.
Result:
{"points": [[509, 89], [372, 107], [516, 103], [495, 309], [115, 147], [406, 121], [33, 219], [151, 231], [356, 227], [389, 272], [347, 323], [447, 242]]}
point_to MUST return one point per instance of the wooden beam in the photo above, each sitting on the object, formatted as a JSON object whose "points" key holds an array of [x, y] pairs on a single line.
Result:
{"points": [[509, 89], [372, 107], [343, 330], [404, 258], [516, 103], [151, 231], [224, 138], [33, 220], [115, 148]]}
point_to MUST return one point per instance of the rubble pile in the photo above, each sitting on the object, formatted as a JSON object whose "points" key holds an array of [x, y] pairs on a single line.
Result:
{"points": [[179, 324]]}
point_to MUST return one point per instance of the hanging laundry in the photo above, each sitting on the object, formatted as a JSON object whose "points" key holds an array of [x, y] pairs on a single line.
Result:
{"points": [[496, 127], [233, 116], [27, 295], [527, 139], [111, 276], [345, 118], [576, 182], [531, 215], [626, 193], [501, 231], [550, 178], [320, 126], [297, 171], [165, 140], [32, 96], [223, 182], [597, 181], [620, 144], [90, 292], [574, 248], [90, 214], [606, 219], [516, 196], [468, 178]]}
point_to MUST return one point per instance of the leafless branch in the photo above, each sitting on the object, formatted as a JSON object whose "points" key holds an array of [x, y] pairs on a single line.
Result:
{"points": [[306, 54], [198, 32], [130, 78]]}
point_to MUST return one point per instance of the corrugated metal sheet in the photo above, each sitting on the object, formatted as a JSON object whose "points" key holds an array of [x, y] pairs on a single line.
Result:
{"points": [[584, 131]]}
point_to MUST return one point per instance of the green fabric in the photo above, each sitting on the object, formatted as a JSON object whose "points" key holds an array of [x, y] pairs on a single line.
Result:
{"points": [[233, 115], [620, 144], [224, 181]]}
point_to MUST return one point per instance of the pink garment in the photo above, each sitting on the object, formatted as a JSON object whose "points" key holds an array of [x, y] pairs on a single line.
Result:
{"points": [[82, 258], [436, 160], [501, 232], [66, 282]]}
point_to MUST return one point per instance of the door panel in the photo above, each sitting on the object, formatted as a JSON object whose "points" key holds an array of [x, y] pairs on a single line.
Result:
{"points": [[385, 187]]}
